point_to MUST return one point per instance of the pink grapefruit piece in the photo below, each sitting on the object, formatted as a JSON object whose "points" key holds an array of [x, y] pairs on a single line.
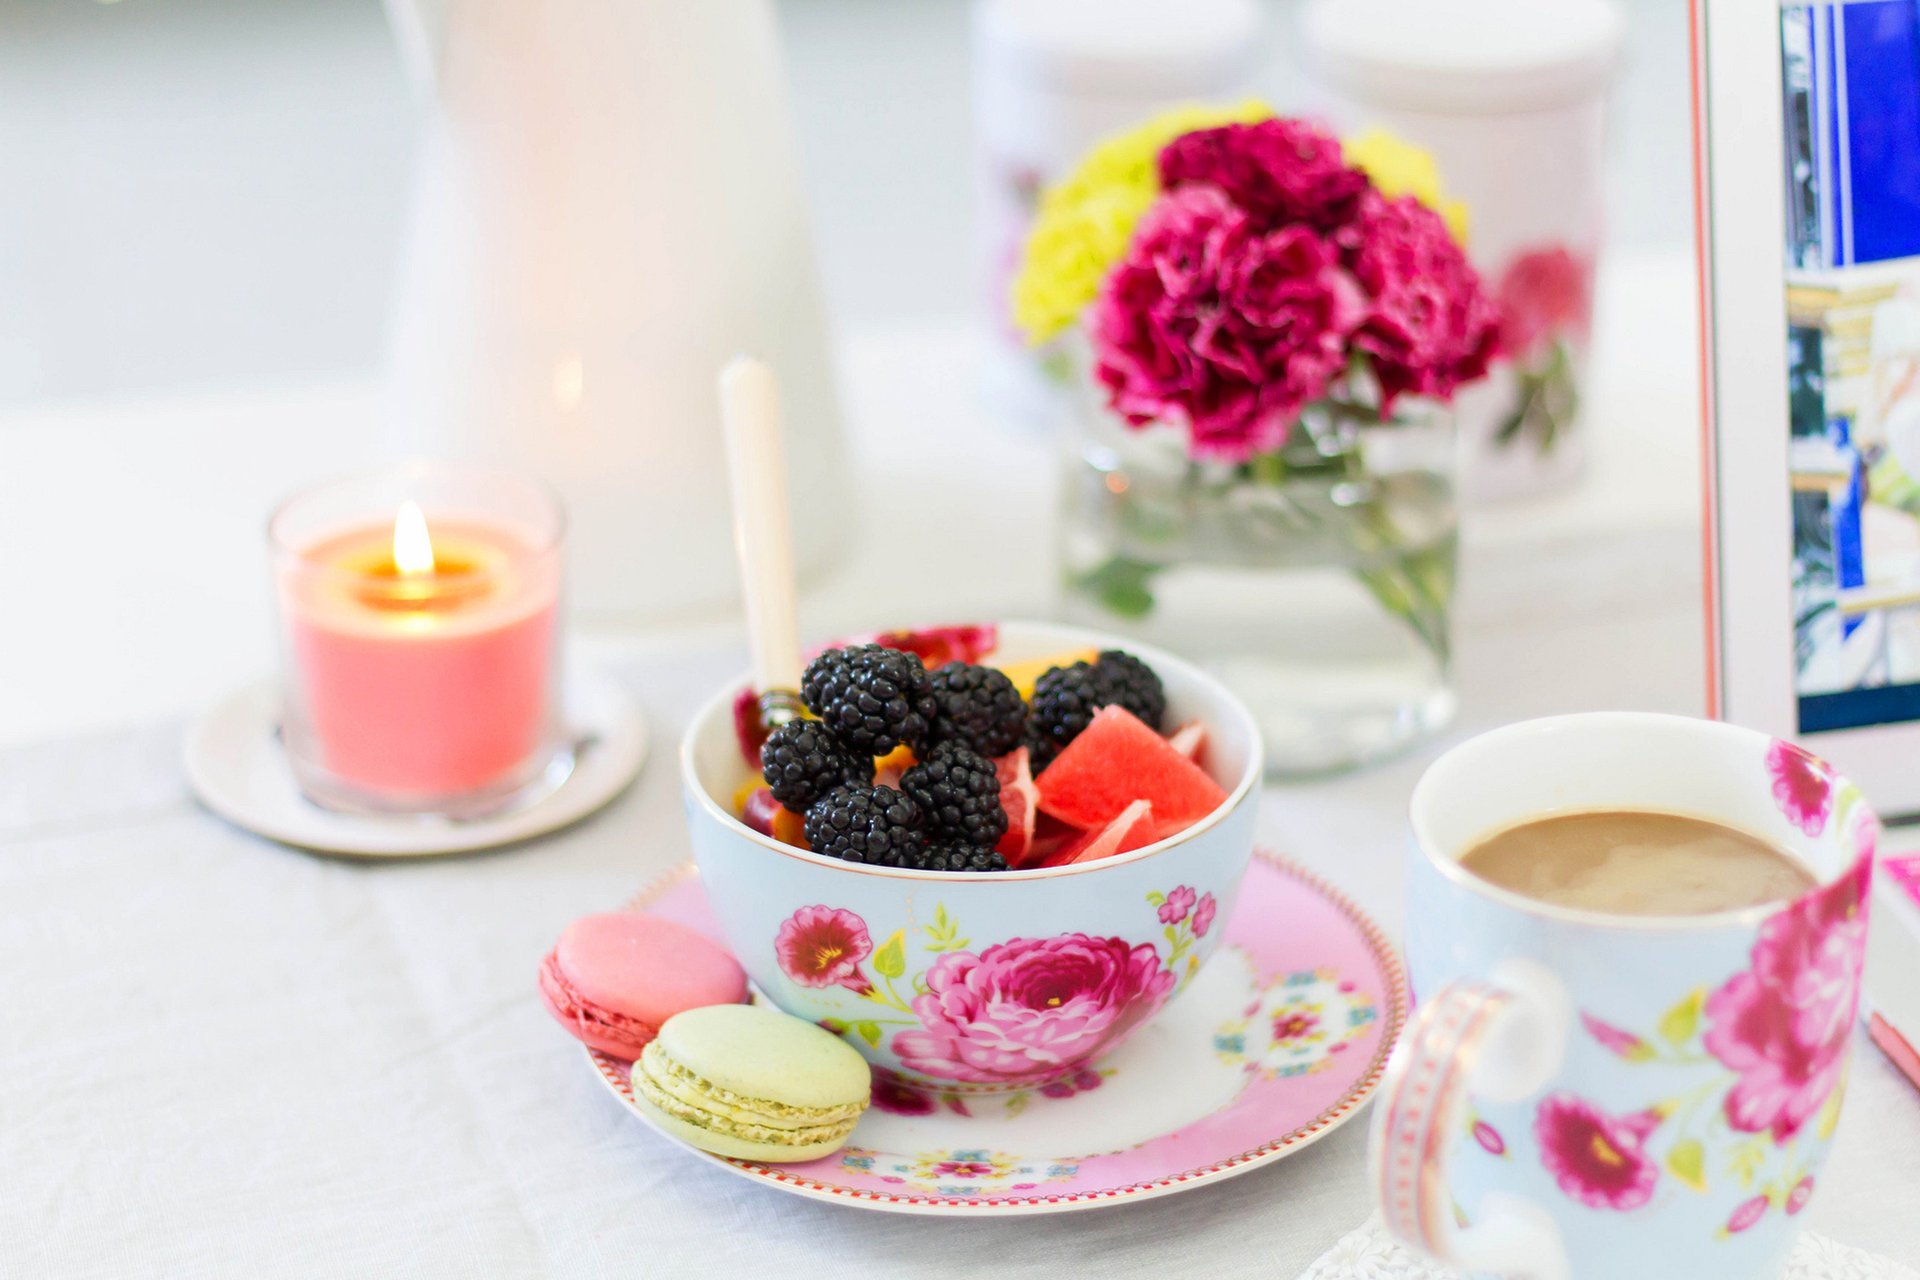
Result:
{"points": [[1051, 839], [1117, 760], [1133, 829], [1190, 739], [1021, 799]]}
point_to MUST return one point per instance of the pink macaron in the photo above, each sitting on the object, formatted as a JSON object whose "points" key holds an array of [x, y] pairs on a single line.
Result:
{"points": [[615, 977]]}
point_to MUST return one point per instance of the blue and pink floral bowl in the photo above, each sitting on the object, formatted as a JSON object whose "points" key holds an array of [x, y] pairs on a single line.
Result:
{"points": [[971, 982]]}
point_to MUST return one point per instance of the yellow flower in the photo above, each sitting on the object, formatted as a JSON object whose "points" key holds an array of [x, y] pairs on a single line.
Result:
{"points": [[1086, 219], [1399, 168]]}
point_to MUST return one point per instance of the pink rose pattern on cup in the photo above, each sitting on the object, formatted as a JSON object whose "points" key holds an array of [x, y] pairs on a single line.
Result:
{"points": [[1779, 1030], [1021, 1013]]}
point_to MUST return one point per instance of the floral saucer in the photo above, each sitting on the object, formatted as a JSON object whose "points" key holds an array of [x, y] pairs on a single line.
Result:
{"points": [[1277, 1042]]}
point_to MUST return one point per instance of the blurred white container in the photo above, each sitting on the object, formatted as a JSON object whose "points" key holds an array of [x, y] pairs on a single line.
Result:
{"points": [[1050, 79], [608, 208], [1509, 96]]}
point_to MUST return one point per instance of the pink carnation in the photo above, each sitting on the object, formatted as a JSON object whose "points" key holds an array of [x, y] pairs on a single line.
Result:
{"points": [[1783, 1024], [1429, 326], [1213, 324], [1277, 171], [1025, 1011]]}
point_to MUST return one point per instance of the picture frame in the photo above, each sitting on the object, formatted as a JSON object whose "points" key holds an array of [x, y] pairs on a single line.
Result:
{"points": [[1807, 209]]}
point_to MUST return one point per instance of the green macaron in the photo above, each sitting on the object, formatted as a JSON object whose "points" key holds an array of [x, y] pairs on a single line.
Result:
{"points": [[753, 1083]]}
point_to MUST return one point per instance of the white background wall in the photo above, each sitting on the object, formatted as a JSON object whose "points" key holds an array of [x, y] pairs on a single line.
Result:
{"points": [[209, 192]]}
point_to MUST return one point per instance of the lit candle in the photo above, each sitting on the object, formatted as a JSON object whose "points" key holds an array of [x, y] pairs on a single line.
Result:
{"points": [[419, 645]]}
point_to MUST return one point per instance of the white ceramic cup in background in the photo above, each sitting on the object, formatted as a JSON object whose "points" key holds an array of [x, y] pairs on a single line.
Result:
{"points": [[1598, 1097], [1509, 97]]}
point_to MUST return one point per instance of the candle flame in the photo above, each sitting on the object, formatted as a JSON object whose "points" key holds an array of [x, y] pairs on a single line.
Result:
{"points": [[412, 548]]}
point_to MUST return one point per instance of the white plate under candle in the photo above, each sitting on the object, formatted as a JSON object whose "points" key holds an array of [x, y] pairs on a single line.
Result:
{"points": [[239, 770]]}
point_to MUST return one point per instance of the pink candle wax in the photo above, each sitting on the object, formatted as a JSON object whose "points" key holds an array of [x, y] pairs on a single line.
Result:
{"points": [[416, 682]]}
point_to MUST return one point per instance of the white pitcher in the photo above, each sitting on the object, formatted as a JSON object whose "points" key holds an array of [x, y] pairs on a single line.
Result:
{"points": [[608, 206]]}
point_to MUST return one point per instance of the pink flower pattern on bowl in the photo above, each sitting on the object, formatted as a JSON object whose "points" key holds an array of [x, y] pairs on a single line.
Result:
{"points": [[1177, 905], [1203, 915], [1598, 1159], [823, 947], [1026, 1010], [1021, 1013]]}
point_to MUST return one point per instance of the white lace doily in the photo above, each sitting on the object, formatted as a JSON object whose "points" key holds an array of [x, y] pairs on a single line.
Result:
{"points": [[1368, 1253]]}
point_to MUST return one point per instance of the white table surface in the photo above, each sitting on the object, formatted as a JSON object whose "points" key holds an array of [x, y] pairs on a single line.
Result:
{"points": [[221, 1057]]}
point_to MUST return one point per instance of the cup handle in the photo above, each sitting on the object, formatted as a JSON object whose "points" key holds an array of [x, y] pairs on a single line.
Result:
{"points": [[1502, 1040]]}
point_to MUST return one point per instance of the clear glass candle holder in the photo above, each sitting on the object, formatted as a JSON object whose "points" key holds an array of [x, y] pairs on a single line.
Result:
{"points": [[420, 638]]}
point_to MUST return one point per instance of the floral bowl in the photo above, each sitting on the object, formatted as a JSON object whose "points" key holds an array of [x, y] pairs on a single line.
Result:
{"points": [[971, 982]]}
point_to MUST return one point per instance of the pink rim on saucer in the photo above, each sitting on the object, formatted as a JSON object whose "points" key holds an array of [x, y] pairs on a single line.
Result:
{"points": [[1284, 1035]]}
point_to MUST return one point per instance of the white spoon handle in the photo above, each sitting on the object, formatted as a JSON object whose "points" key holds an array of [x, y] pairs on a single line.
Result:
{"points": [[762, 526]]}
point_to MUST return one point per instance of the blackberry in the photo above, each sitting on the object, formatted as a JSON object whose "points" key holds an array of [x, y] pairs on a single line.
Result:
{"points": [[979, 707], [958, 795], [875, 825], [872, 699], [955, 855], [1065, 699], [802, 761], [1040, 749], [1132, 684]]}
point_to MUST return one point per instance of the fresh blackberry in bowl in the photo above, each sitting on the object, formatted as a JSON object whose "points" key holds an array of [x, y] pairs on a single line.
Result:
{"points": [[802, 761], [1132, 684], [978, 707], [958, 795], [1040, 749], [1064, 700], [957, 855], [875, 825], [872, 699]]}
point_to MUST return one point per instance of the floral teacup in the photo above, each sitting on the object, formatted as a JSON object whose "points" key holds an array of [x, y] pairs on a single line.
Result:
{"points": [[1608, 1097], [980, 982]]}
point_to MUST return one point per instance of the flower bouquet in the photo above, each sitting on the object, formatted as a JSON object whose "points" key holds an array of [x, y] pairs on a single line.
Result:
{"points": [[1266, 326]]}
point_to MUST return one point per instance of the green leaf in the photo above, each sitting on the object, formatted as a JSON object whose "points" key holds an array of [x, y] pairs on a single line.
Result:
{"points": [[1688, 1162], [1018, 1103], [1122, 586], [868, 1031], [834, 1025], [1680, 1023], [890, 961]]}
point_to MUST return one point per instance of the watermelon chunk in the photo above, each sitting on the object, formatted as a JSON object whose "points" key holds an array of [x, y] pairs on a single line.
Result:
{"points": [[1133, 829], [1021, 799], [1117, 760], [1190, 739]]}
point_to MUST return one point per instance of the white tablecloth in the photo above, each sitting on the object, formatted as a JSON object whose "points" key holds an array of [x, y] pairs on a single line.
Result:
{"points": [[219, 1057]]}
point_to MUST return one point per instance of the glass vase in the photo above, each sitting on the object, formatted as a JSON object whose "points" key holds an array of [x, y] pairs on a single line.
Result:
{"points": [[1315, 580]]}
